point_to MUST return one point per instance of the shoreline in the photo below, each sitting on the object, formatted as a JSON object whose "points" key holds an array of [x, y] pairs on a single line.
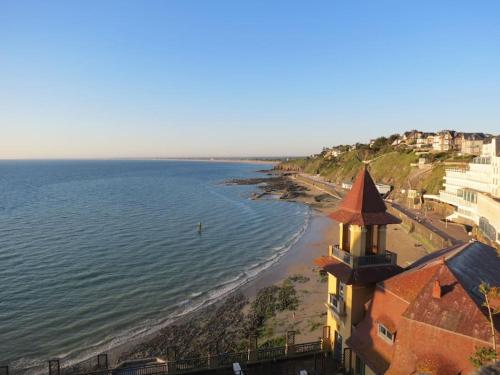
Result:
{"points": [[297, 260], [308, 319]]}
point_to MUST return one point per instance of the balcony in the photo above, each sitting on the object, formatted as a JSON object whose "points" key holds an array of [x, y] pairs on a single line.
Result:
{"points": [[357, 261], [336, 304]]}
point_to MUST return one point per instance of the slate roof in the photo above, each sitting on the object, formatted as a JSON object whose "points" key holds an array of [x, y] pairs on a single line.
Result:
{"points": [[363, 205]]}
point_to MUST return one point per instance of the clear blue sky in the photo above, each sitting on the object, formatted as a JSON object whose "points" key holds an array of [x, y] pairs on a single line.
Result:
{"points": [[219, 78]]}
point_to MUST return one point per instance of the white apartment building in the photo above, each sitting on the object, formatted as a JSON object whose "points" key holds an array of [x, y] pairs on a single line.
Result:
{"points": [[475, 191]]}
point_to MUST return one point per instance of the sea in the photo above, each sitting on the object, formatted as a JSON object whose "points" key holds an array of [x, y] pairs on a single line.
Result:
{"points": [[94, 254]]}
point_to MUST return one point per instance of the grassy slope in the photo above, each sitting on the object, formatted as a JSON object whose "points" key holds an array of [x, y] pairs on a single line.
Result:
{"points": [[391, 167]]}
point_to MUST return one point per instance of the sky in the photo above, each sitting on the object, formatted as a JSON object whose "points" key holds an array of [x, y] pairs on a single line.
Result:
{"points": [[186, 78]]}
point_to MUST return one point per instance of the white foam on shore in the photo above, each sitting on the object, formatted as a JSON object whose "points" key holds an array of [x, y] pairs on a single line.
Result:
{"points": [[196, 301]]}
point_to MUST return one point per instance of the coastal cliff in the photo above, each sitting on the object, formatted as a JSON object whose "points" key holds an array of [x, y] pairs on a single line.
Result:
{"points": [[388, 166]]}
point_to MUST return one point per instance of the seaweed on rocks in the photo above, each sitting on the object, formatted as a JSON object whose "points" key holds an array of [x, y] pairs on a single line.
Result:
{"points": [[286, 188], [221, 327], [217, 325]]}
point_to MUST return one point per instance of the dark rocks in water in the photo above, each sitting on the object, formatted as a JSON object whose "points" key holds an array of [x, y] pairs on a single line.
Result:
{"points": [[324, 198], [273, 185], [269, 172], [292, 195], [218, 328]]}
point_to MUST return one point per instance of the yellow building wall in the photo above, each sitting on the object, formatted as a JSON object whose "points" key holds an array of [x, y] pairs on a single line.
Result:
{"points": [[341, 235], [355, 298], [382, 237], [358, 241], [330, 318]]}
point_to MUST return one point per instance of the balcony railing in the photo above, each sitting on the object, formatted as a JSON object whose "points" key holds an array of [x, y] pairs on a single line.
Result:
{"points": [[357, 261]]}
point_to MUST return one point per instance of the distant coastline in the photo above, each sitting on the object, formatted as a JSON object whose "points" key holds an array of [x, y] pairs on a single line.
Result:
{"points": [[225, 160]]}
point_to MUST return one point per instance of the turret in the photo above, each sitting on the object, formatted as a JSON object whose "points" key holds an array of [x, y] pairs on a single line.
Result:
{"points": [[358, 261]]}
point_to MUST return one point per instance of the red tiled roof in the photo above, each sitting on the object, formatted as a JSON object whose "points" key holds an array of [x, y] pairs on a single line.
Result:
{"points": [[363, 204], [455, 311], [407, 285], [431, 363]]}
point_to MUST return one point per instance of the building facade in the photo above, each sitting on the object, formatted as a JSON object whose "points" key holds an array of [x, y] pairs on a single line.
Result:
{"points": [[429, 319], [474, 191], [358, 262], [444, 141], [382, 318], [470, 143]]}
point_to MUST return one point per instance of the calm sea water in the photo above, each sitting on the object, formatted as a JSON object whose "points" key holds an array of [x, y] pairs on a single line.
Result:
{"points": [[93, 253]]}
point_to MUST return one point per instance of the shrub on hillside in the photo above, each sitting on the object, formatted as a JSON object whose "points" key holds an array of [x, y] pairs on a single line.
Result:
{"points": [[287, 297]]}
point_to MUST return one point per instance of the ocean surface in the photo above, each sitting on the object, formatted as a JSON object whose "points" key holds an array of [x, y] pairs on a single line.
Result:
{"points": [[95, 253]]}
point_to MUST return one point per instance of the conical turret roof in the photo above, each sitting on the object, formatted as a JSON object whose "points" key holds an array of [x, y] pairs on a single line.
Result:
{"points": [[363, 204]]}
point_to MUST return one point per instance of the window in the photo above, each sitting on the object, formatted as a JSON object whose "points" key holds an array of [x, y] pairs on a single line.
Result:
{"points": [[340, 290], [332, 300], [385, 333]]}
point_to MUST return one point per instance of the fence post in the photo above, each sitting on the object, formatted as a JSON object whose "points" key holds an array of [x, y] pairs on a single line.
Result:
{"points": [[4, 370], [252, 348], [102, 361], [290, 343], [171, 359], [326, 341], [54, 367], [212, 355]]}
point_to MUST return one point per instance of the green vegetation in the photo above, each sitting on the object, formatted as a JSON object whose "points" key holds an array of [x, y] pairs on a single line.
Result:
{"points": [[388, 165], [299, 279], [483, 356], [274, 342], [267, 303], [287, 297], [313, 325], [432, 182]]}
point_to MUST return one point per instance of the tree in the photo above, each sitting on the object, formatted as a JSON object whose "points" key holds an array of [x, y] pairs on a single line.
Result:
{"points": [[379, 143], [485, 355], [491, 294]]}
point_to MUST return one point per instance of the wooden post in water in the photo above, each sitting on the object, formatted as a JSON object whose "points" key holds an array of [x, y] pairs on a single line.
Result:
{"points": [[4, 370]]}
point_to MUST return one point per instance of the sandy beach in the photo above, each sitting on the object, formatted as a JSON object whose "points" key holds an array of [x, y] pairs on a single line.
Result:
{"points": [[308, 319]]}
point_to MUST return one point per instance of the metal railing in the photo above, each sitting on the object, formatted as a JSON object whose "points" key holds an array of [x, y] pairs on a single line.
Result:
{"points": [[271, 353], [194, 364], [308, 347], [356, 261]]}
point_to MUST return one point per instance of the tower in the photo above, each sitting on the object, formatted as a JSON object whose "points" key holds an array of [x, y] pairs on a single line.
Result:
{"points": [[358, 261]]}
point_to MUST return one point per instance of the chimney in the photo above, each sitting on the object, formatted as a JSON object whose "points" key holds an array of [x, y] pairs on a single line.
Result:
{"points": [[436, 290]]}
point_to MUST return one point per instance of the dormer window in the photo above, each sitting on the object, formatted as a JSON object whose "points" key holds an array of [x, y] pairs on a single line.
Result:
{"points": [[385, 334]]}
